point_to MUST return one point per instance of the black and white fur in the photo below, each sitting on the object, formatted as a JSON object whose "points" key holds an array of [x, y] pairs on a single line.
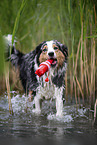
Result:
{"points": [[28, 64]]}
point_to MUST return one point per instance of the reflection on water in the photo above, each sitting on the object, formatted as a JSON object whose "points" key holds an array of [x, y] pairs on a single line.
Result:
{"points": [[74, 124]]}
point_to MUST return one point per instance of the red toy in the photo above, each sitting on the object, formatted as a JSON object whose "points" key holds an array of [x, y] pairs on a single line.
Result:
{"points": [[44, 67]]}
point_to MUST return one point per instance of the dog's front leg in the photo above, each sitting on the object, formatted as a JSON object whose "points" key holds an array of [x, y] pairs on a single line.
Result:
{"points": [[37, 109], [59, 101]]}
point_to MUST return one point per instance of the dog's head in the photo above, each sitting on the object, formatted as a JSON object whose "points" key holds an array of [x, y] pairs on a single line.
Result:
{"points": [[52, 50]]}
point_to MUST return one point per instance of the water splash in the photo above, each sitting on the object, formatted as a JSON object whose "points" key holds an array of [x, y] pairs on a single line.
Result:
{"points": [[70, 113], [64, 118], [20, 103]]}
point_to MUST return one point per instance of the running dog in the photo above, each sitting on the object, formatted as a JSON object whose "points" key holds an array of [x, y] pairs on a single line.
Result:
{"points": [[36, 86]]}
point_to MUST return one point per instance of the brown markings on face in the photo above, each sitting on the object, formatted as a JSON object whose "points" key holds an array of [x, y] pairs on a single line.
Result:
{"points": [[60, 58], [55, 47], [59, 55], [43, 56]]}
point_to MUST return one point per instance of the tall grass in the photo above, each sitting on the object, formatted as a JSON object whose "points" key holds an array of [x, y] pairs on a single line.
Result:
{"points": [[83, 58], [70, 22], [1, 53], [8, 68]]}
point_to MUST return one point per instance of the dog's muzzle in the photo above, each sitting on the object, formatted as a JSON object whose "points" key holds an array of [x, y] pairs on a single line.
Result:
{"points": [[52, 56], [54, 63]]}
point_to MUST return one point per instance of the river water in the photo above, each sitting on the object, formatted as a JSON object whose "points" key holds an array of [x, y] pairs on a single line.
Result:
{"points": [[74, 128]]}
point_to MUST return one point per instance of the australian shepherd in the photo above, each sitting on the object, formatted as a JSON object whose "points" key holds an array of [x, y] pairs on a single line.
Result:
{"points": [[36, 86]]}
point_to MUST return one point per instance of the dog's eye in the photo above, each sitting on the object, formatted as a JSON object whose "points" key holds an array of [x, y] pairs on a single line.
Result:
{"points": [[45, 49], [55, 48]]}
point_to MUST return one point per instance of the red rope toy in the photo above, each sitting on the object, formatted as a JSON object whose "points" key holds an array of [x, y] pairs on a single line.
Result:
{"points": [[44, 67]]}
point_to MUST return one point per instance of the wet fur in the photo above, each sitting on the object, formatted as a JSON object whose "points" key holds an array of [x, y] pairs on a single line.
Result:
{"points": [[35, 86]]}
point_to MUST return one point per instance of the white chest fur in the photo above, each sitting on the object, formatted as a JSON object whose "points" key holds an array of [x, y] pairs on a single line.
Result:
{"points": [[49, 90], [46, 89]]}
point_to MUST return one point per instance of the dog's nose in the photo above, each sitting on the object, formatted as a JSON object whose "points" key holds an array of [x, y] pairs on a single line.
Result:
{"points": [[51, 54]]}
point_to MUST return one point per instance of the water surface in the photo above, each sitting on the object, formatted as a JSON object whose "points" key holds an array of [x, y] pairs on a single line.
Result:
{"points": [[23, 127]]}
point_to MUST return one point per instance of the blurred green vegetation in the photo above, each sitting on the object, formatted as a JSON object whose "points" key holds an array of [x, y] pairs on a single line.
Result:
{"points": [[71, 22], [40, 20], [1, 54]]}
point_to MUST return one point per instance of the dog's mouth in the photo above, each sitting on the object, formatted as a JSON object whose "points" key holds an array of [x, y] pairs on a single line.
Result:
{"points": [[54, 63]]}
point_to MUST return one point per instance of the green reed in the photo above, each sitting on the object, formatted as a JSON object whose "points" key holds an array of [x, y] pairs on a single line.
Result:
{"points": [[1, 54], [2, 50]]}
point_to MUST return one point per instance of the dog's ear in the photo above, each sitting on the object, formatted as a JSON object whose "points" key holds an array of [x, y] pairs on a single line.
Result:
{"points": [[38, 48], [38, 51], [63, 48]]}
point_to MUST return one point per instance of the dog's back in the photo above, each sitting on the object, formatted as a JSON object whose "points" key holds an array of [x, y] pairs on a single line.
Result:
{"points": [[24, 63]]}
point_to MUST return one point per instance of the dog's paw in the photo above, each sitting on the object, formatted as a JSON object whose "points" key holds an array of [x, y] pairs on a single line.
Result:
{"points": [[59, 114], [36, 111]]}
